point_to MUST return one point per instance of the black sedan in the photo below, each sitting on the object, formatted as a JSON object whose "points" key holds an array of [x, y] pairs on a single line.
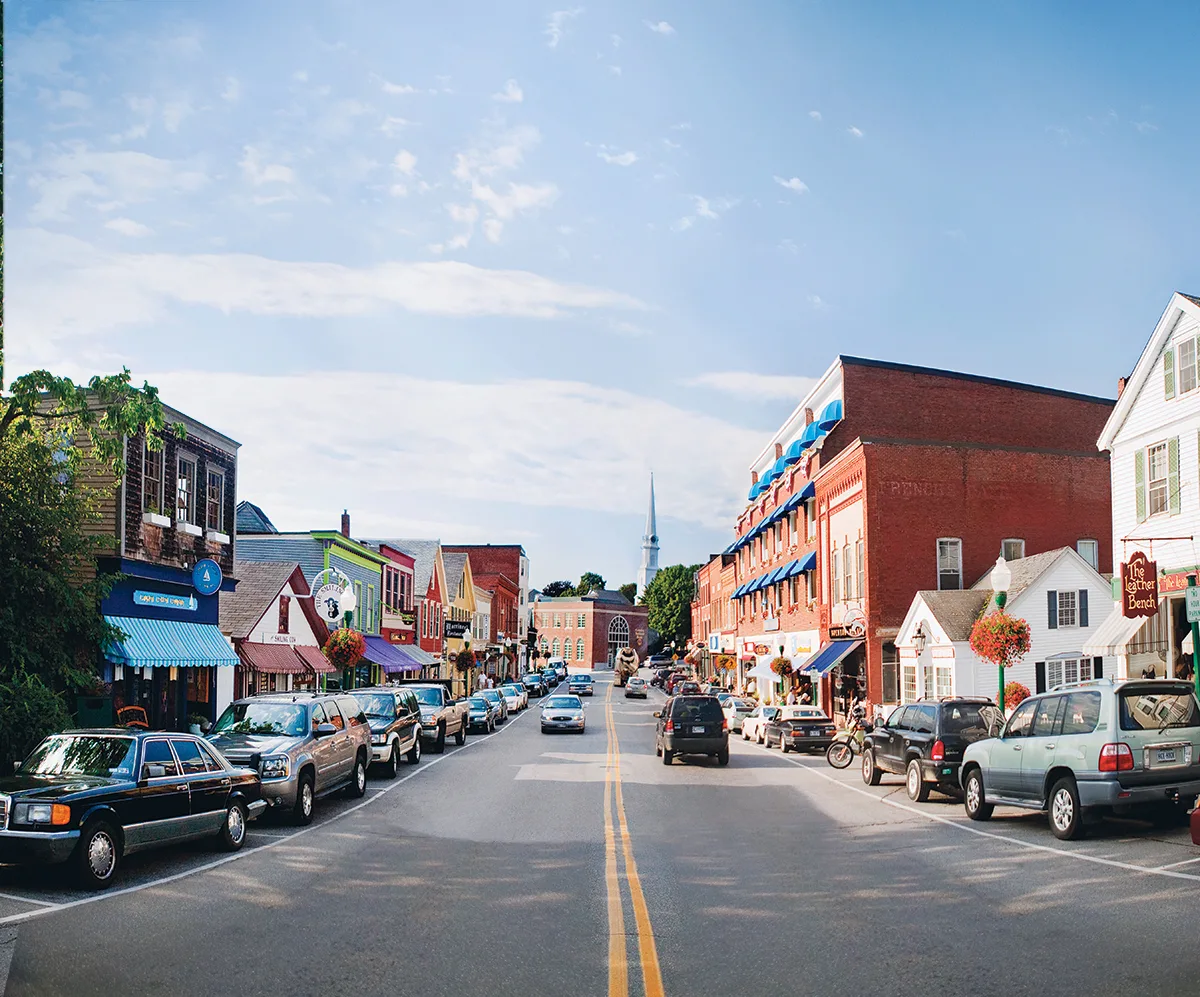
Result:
{"points": [[89, 797], [482, 714], [799, 728], [534, 684]]}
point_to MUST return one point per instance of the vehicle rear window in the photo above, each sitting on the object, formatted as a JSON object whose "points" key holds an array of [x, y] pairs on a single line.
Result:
{"points": [[1143, 709], [697, 708], [1082, 713], [971, 720], [923, 718]]}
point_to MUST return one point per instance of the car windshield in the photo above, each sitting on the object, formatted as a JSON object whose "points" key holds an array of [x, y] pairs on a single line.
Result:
{"points": [[584, 679], [263, 718], [562, 703], [804, 713], [1143, 709], [491, 694], [428, 697], [477, 703], [969, 719], [80, 754], [378, 705]]}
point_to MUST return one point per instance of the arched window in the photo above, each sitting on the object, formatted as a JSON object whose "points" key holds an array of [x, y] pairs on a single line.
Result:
{"points": [[579, 649], [554, 648], [618, 636]]}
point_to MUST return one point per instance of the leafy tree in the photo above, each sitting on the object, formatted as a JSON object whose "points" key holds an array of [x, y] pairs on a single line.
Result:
{"points": [[553, 590], [629, 590], [587, 581], [669, 600]]}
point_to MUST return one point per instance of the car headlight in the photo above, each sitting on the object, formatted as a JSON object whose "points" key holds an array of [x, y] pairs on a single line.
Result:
{"points": [[275, 768], [379, 739], [41, 813]]}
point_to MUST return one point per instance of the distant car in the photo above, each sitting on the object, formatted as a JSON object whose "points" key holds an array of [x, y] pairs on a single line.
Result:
{"points": [[496, 697], [394, 716], [551, 677], [658, 661], [558, 666], [91, 797], [799, 728], [515, 696], [689, 688], [581, 685], [691, 725], [481, 714], [736, 710], [754, 723], [534, 683], [563, 713], [635, 688], [674, 680]]}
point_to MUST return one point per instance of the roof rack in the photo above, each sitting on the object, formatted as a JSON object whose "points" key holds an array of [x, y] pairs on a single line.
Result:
{"points": [[1083, 684]]}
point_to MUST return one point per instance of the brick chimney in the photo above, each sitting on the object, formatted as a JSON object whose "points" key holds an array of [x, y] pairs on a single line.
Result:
{"points": [[754, 477], [1121, 382], [778, 450], [346, 524]]}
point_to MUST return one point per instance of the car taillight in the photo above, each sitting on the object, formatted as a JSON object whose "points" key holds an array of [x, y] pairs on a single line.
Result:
{"points": [[939, 751], [1116, 758], [669, 726], [724, 723]]}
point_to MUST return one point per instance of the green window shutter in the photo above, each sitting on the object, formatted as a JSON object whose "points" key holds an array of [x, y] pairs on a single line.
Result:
{"points": [[1169, 374], [1139, 483], [1173, 474]]}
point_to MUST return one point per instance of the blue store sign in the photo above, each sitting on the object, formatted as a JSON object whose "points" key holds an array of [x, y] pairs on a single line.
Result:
{"points": [[165, 600], [206, 576]]}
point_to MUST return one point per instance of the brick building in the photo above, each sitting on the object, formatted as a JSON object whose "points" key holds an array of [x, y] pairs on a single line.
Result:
{"points": [[509, 560], [888, 479], [588, 630]]}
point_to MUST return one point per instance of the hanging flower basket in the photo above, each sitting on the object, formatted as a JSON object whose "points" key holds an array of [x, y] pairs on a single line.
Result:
{"points": [[782, 666], [1015, 694], [345, 647], [692, 658], [1000, 639], [465, 660]]}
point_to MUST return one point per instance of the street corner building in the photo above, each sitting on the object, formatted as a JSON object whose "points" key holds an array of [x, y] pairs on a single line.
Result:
{"points": [[886, 480], [171, 524], [587, 631]]}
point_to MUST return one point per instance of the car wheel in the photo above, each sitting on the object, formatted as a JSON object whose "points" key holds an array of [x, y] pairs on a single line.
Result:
{"points": [[759, 737], [414, 753], [358, 778], [783, 745], [914, 784], [302, 812], [97, 855], [233, 831], [723, 756], [870, 771], [460, 736], [392, 765], [974, 801], [745, 736], [1066, 815], [440, 744], [667, 756]]}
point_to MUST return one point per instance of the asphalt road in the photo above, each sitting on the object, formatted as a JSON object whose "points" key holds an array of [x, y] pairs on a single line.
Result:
{"points": [[526, 864]]}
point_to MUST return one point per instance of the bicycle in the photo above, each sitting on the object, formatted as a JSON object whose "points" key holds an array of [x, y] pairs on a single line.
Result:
{"points": [[848, 743]]}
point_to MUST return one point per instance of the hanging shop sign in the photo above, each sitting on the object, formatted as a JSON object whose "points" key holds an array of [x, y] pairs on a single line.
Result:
{"points": [[166, 600], [1139, 586], [281, 639], [206, 576], [456, 629], [762, 649], [329, 589]]}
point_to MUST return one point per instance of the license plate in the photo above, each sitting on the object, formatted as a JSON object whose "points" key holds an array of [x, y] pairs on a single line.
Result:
{"points": [[1166, 756], [697, 730]]}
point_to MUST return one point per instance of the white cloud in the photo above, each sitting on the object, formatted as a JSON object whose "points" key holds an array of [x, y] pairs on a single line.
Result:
{"points": [[405, 162], [619, 159], [616, 40], [232, 91], [300, 76], [392, 125], [396, 89], [789, 246], [398, 190], [816, 302], [173, 113], [768, 387], [660, 27], [705, 208], [259, 173], [671, 145], [1145, 126], [625, 328], [556, 27], [815, 115], [492, 228], [511, 94], [683, 126], [856, 132], [127, 226], [615, 70], [71, 100], [111, 179], [794, 184]]}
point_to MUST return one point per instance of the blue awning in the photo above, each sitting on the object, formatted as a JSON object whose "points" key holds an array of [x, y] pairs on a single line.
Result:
{"points": [[789, 570], [812, 433], [391, 657], [754, 492], [731, 548], [807, 492], [808, 562], [794, 452], [831, 415], [776, 576], [168, 644], [829, 656], [737, 592]]}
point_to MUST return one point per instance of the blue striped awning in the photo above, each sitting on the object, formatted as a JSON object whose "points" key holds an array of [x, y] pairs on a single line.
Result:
{"points": [[774, 577], [829, 656], [807, 563], [168, 644], [753, 586], [739, 591], [807, 492]]}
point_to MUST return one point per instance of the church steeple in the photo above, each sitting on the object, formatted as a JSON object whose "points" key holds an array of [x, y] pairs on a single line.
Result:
{"points": [[649, 566]]}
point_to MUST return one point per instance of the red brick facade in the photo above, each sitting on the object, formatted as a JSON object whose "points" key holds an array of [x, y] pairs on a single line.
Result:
{"points": [[585, 624], [504, 605]]}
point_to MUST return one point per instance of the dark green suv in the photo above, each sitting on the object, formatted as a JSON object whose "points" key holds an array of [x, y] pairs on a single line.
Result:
{"points": [[692, 725]]}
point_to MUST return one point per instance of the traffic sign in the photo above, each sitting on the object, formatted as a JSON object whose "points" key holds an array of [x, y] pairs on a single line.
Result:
{"points": [[1193, 603]]}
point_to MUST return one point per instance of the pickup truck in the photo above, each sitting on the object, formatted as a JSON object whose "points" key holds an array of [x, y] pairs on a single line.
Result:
{"points": [[441, 714]]}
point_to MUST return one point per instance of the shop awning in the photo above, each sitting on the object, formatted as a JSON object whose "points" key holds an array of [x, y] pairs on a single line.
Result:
{"points": [[794, 452], [314, 659], [830, 415], [422, 657], [807, 492], [739, 591], [279, 659], [812, 433], [390, 656], [1113, 635], [829, 656], [807, 563], [168, 644]]}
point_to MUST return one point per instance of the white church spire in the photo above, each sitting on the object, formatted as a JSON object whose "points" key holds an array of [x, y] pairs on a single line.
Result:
{"points": [[649, 566]]}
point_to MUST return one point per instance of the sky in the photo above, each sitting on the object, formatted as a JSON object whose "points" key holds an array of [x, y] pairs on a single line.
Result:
{"points": [[474, 270]]}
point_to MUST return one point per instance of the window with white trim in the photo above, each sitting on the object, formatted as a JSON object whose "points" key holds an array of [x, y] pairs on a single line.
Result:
{"points": [[944, 680], [1068, 608], [847, 574], [1157, 466], [909, 682], [1068, 670], [949, 563], [579, 649], [833, 562], [1089, 550], [810, 517], [860, 568], [581, 621], [1013, 550], [185, 490]]}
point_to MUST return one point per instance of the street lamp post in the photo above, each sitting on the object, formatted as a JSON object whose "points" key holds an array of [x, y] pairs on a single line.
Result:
{"points": [[1001, 579], [349, 604]]}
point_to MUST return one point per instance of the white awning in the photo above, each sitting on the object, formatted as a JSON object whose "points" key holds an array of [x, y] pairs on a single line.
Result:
{"points": [[762, 670], [1112, 636]]}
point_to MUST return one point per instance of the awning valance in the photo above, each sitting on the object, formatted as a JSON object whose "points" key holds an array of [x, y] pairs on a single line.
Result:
{"points": [[315, 659], [829, 656], [390, 656], [1113, 635], [278, 659], [168, 644]]}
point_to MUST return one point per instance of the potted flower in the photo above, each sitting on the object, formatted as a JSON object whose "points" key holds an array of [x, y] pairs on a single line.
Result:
{"points": [[344, 647], [153, 516], [1002, 640], [1015, 694], [782, 666], [197, 723]]}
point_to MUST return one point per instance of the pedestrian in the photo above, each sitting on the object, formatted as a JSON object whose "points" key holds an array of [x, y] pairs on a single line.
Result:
{"points": [[805, 698], [1149, 673], [1185, 669], [791, 697]]}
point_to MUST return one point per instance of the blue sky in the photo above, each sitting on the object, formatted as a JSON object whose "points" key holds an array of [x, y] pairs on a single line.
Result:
{"points": [[472, 270]]}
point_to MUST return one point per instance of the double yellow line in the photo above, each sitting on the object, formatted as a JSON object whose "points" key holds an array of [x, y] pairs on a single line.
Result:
{"points": [[618, 962]]}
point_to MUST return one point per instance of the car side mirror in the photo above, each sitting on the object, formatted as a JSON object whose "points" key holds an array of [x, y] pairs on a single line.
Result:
{"points": [[325, 730]]}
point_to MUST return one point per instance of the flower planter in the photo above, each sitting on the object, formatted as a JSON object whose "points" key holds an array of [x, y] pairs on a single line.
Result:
{"points": [[217, 537], [154, 519], [188, 528]]}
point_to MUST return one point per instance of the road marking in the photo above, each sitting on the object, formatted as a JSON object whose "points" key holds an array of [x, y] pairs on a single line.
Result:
{"points": [[27, 900], [1166, 871], [647, 950], [1176, 865], [245, 852], [618, 959], [8, 945]]}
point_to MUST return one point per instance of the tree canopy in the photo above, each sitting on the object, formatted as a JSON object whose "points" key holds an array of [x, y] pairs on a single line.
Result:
{"points": [[587, 581], [629, 590], [669, 600], [553, 590]]}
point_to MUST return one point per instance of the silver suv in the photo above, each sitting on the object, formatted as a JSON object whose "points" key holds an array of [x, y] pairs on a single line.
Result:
{"points": [[1089, 748], [303, 745]]}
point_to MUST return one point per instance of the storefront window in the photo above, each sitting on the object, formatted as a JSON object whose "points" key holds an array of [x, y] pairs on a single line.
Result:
{"points": [[891, 676]]}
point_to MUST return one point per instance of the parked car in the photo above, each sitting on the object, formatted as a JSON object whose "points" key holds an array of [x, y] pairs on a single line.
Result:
{"points": [[660, 677], [441, 715], [659, 661], [1086, 748], [482, 714], [563, 712], [736, 710], [91, 797], [581, 685], [635, 688], [552, 678], [394, 717], [692, 725], [496, 697], [560, 668], [304, 745], [674, 680], [755, 722], [534, 683], [514, 695], [925, 741], [799, 728]]}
